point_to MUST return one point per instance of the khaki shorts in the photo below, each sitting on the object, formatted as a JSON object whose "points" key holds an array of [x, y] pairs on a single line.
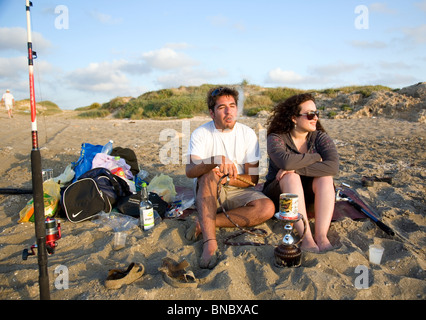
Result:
{"points": [[234, 197]]}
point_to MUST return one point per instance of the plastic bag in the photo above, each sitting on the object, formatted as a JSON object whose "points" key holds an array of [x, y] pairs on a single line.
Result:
{"points": [[51, 196], [84, 163], [66, 177], [164, 187], [116, 221], [101, 160]]}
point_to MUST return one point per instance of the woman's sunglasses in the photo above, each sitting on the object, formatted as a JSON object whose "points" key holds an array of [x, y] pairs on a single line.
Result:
{"points": [[310, 115]]}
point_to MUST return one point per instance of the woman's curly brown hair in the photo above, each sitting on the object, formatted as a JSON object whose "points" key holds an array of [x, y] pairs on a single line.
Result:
{"points": [[280, 120]]}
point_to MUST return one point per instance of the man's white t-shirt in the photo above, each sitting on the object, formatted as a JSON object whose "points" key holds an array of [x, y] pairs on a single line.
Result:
{"points": [[8, 99], [239, 145]]}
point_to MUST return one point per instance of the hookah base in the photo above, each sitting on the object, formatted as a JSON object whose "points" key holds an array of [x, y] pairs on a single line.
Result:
{"points": [[287, 256]]}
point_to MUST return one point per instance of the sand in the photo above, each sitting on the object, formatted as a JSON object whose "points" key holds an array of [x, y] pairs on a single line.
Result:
{"points": [[367, 146]]}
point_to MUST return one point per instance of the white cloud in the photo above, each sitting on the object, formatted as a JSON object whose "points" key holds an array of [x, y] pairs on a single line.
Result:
{"points": [[13, 68], [368, 44], [381, 8], [416, 34], [105, 18], [334, 69], [421, 5], [167, 59], [190, 77], [99, 77], [222, 21], [218, 20], [280, 76], [15, 38]]}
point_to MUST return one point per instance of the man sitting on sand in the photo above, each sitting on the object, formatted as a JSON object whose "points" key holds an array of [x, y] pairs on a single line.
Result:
{"points": [[221, 147]]}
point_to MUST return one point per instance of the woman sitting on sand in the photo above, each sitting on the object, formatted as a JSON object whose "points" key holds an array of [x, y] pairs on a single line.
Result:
{"points": [[303, 161]]}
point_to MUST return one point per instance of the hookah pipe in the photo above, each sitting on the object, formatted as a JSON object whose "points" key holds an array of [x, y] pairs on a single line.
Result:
{"points": [[287, 253]]}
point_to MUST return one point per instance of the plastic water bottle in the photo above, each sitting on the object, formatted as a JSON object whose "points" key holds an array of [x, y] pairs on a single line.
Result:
{"points": [[146, 209], [107, 148], [140, 177]]}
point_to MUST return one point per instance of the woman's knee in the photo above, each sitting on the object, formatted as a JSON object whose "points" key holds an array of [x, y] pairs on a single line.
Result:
{"points": [[290, 179], [323, 184]]}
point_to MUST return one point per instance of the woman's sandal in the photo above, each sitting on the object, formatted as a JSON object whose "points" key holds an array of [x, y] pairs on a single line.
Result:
{"points": [[176, 275], [116, 277]]}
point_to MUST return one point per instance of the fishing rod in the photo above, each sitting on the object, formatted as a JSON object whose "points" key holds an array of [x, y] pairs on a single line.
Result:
{"points": [[342, 196], [36, 172]]}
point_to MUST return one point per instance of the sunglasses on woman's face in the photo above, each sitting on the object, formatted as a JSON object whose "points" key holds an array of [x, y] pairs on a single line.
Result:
{"points": [[310, 115]]}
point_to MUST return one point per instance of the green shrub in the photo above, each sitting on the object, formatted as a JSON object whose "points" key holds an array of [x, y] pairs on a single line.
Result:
{"points": [[281, 94], [345, 107], [255, 103], [331, 114], [93, 106], [94, 114]]}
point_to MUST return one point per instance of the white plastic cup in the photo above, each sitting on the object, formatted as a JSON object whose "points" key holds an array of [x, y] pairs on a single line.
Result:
{"points": [[119, 240], [376, 253], [47, 174]]}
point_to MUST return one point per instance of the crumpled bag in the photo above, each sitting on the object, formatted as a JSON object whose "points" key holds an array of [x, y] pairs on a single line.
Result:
{"points": [[51, 197], [102, 160], [84, 162], [65, 177], [164, 187]]}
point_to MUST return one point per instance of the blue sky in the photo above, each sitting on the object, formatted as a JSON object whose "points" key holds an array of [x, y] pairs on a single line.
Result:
{"points": [[94, 51]]}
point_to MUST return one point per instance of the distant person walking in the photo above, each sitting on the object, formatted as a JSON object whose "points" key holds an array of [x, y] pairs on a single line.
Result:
{"points": [[9, 102]]}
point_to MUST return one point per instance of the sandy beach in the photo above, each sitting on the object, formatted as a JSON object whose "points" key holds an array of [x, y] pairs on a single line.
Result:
{"points": [[367, 146]]}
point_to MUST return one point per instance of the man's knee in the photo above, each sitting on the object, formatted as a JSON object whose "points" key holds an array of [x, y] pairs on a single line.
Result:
{"points": [[209, 177], [265, 208]]}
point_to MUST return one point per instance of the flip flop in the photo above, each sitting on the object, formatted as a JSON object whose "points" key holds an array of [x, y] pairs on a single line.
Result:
{"points": [[116, 277], [369, 181], [174, 274]]}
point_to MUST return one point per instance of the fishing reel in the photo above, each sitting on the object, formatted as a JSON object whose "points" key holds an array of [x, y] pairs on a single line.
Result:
{"points": [[53, 233]]}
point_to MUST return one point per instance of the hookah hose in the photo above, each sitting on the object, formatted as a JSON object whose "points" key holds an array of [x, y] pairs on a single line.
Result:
{"points": [[252, 231]]}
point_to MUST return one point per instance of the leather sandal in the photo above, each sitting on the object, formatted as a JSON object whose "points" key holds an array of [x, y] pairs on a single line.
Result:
{"points": [[176, 275], [369, 181], [116, 277]]}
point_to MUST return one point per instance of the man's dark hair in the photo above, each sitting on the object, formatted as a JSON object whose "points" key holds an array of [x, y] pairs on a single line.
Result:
{"points": [[215, 93]]}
